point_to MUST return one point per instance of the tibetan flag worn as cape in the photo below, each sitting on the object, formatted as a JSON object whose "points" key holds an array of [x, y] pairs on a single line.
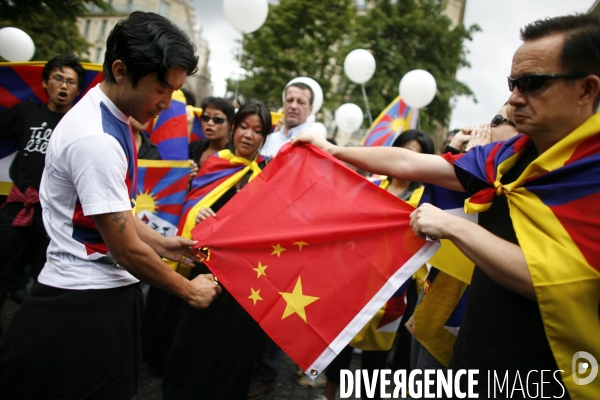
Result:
{"points": [[162, 186], [392, 121], [21, 82], [312, 251], [169, 130], [555, 209]]}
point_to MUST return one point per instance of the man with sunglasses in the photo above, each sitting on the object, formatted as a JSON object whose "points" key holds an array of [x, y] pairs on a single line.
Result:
{"points": [[31, 124], [535, 291]]}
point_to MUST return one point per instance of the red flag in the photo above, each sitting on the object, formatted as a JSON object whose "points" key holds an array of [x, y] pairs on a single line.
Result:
{"points": [[312, 250]]}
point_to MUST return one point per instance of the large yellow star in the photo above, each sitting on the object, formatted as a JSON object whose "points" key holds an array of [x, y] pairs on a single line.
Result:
{"points": [[277, 250], [255, 296], [260, 270], [300, 244], [296, 301]]}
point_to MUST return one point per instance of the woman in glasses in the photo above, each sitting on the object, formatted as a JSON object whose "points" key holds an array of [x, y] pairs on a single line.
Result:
{"points": [[213, 352], [217, 114]]}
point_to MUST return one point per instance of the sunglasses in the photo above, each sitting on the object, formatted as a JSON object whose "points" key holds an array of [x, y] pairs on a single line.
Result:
{"points": [[528, 83], [216, 120], [498, 119]]}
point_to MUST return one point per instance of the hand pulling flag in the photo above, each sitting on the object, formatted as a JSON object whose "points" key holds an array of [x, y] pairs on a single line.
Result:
{"points": [[555, 209], [392, 121], [20, 82], [326, 251], [162, 186]]}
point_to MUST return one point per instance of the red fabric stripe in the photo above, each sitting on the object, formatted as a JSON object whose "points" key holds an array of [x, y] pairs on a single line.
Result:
{"points": [[580, 220]]}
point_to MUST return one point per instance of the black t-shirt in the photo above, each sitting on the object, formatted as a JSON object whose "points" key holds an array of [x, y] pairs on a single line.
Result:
{"points": [[502, 330], [31, 124], [148, 150]]}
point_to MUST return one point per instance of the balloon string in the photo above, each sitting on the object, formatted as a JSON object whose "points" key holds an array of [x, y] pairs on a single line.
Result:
{"points": [[239, 59], [364, 92]]}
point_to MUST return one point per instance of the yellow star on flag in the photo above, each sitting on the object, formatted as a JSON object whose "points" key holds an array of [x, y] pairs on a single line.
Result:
{"points": [[300, 244], [296, 301], [260, 270], [277, 250], [255, 296]]}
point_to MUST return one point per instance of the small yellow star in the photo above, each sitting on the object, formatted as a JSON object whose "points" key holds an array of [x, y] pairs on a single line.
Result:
{"points": [[296, 301], [300, 244], [277, 250], [255, 296], [260, 270]]}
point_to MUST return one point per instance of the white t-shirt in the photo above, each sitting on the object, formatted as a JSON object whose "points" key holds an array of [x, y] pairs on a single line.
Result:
{"points": [[277, 139], [90, 169]]}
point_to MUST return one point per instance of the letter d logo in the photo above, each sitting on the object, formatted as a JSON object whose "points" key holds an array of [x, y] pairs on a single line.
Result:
{"points": [[584, 366]]}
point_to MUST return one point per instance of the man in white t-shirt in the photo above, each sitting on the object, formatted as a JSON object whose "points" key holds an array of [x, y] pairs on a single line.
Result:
{"points": [[77, 335], [297, 106]]}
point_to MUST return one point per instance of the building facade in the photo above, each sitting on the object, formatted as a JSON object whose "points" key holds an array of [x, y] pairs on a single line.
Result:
{"points": [[96, 25]]}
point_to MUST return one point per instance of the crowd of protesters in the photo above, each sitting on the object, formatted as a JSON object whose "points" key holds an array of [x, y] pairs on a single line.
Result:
{"points": [[85, 327]]}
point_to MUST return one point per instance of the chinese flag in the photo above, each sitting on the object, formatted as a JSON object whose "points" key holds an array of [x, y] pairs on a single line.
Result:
{"points": [[312, 250]]}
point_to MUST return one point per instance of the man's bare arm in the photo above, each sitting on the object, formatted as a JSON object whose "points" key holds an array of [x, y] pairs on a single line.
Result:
{"points": [[501, 260], [391, 161], [119, 232]]}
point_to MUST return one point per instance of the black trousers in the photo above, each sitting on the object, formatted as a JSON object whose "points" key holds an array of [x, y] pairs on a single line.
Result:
{"points": [[73, 344]]}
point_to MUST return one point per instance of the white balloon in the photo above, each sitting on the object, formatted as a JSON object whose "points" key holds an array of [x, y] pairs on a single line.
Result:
{"points": [[359, 65], [349, 117], [246, 15], [311, 119], [318, 129], [15, 45], [417, 88], [316, 88]]}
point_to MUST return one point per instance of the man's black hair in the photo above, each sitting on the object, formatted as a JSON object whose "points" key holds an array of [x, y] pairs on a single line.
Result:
{"points": [[59, 62], [581, 49], [254, 108], [412, 134], [303, 86], [220, 104], [148, 43]]}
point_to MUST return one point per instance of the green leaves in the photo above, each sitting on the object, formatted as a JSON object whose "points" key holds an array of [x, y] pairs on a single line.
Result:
{"points": [[312, 38]]}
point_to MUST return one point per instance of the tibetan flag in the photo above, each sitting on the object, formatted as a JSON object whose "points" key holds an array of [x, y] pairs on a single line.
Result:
{"points": [[392, 121], [169, 130], [21, 82], [196, 133], [380, 331], [312, 251], [162, 186], [555, 210]]}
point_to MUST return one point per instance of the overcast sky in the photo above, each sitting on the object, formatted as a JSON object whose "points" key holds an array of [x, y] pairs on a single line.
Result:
{"points": [[490, 53]]}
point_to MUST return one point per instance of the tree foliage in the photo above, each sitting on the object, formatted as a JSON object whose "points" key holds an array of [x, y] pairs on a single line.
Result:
{"points": [[312, 38], [299, 38], [50, 23]]}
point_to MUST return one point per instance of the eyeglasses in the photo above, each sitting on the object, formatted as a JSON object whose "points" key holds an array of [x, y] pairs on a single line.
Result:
{"points": [[216, 120], [528, 83], [498, 119], [58, 81]]}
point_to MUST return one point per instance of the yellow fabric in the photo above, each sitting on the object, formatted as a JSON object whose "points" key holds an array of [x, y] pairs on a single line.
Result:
{"points": [[432, 313], [212, 197]]}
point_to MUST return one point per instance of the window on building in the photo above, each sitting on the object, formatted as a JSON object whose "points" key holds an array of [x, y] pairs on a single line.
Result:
{"points": [[163, 8], [103, 29], [99, 55], [86, 30]]}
